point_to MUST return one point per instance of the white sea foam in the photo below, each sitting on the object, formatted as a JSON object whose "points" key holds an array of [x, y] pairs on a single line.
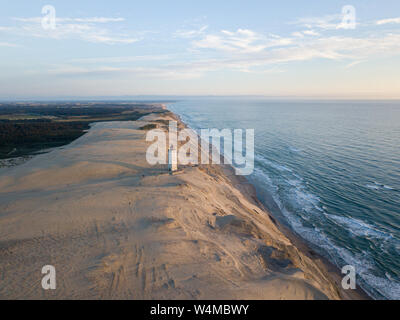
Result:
{"points": [[379, 186], [362, 229], [364, 264], [274, 165]]}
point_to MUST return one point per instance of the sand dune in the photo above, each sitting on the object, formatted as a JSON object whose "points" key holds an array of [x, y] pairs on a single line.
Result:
{"points": [[115, 227]]}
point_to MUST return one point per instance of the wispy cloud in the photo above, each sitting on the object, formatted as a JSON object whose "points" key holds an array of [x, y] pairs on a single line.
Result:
{"points": [[191, 33], [240, 41], [276, 53], [298, 34], [255, 50], [302, 34], [327, 22], [240, 50], [387, 21], [126, 59], [86, 29], [310, 33], [354, 63], [7, 44], [60, 20]]}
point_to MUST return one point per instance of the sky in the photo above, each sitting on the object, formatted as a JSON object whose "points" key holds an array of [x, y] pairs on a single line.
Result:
{"points": [[322, 49]]}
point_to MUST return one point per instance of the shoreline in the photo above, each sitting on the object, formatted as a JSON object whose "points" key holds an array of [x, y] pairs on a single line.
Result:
{"points": [[329, 269], [116, 228]]}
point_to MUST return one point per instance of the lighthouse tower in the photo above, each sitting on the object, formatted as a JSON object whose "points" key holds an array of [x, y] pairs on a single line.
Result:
{"points": [[172, 159]]}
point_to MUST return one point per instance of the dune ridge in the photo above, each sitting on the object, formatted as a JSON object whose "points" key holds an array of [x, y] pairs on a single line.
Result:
{"points": [[115, 227]]}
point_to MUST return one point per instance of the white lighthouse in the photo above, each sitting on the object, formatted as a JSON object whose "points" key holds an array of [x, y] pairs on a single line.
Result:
{"points": [[172, 159]]}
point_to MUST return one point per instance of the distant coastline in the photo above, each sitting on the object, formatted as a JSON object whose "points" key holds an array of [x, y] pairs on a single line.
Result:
{"points": [[30, 128]]}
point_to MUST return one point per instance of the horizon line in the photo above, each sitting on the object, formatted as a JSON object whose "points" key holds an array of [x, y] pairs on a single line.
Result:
{"points": [[174, 97]]}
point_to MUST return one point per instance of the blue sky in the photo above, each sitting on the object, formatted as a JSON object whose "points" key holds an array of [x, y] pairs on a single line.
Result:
{"points": [[273, 48]]}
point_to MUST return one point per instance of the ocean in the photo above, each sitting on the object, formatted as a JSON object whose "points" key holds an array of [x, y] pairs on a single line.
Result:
{"points": [[330, 170]]}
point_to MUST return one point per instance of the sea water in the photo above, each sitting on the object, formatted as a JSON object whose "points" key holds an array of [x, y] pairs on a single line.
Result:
{"points": [[328, 169]]}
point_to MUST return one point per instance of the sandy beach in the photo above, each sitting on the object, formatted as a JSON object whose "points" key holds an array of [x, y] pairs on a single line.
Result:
{"points": [[115, 227]]}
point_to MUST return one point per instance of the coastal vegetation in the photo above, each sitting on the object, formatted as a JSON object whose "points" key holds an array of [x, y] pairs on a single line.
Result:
{"points": [[26, 128]]}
